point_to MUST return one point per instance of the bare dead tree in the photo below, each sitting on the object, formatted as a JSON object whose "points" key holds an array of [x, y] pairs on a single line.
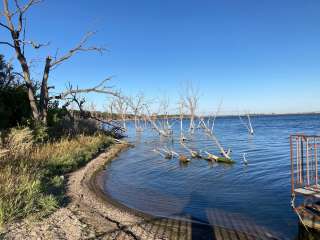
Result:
{"points": [[210, 134], [15, 32], [15, 25], [121, 107], [191, 99], [181, 116], [145, 119], [136, 104], [163, 110], [152, 119], [193, 153], [215, 115], [75, 98], [247, 125]]}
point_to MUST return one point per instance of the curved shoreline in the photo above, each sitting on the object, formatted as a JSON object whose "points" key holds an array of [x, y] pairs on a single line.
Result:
{"points": [[97, 186], [93, 214]]}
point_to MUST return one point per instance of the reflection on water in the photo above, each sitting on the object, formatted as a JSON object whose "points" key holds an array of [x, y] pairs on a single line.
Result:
{"points": [[259, 191]]}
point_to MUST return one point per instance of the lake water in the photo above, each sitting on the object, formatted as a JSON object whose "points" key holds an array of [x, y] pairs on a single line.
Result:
{"points": [[260, 191]]}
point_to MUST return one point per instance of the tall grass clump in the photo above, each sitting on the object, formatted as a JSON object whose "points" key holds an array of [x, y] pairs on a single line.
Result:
{"points": [[19, 141], [32, 178]]}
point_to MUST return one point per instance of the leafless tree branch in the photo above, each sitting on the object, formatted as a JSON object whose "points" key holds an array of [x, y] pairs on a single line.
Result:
{"points": [[22, 10], [29, 4], [80, 47], [34, 44], [5, 26], [7, 43], [88, 115], [100, 88]]}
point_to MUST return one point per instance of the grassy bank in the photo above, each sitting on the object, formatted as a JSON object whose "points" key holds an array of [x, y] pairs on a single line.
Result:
{"points": [[32, 180]]}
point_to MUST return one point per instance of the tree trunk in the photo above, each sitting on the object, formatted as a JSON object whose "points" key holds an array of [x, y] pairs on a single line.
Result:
{"points": [[26, 75], [44, 95]]}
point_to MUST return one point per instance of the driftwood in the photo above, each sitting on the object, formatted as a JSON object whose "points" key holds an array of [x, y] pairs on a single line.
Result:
{"points": [[166, 153], [213, 158], [247, 125], [193, 153], [216, 141], [181, 157]]}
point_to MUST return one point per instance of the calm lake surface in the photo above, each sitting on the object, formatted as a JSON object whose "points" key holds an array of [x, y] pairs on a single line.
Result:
{"points": [[260, 191]]}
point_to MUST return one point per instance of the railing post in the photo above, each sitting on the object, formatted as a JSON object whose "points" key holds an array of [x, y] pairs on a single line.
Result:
{"points": [[296, 157], [316, 160], [292, 165], [301, 160], [299, 167], [307, 162]]}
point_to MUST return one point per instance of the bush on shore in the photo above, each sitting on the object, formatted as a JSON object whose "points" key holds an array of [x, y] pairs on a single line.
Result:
{"points": [[32, 173]]}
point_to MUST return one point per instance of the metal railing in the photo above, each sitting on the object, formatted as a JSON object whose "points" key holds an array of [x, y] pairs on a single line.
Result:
{"points": [[304, 152]]}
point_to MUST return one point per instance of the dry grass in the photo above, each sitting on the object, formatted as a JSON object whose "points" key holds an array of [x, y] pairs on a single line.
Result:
{"points": [[19, 141], [32, 175]]}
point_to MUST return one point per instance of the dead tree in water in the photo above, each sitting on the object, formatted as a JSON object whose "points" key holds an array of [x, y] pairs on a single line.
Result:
{"points": [[210, 134], [191, 100], [164, 152], [181, 157], [201, 122], [159, 122], [193, 153], [152, 119], [215, 116], [136, 104], [121, 107], [15, 25], [163, 110], [250, 125], [181, 116], [247, 125]]}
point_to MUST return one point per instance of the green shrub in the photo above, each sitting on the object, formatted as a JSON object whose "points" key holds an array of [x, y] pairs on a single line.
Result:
{"points": [[40, 132], [14, 106]]}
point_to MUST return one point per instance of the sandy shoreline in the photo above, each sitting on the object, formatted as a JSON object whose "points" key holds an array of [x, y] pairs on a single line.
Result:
{"points": [[90, 214]]}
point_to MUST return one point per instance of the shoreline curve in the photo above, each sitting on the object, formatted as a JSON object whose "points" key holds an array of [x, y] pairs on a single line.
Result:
{"points": [[92, 214]]}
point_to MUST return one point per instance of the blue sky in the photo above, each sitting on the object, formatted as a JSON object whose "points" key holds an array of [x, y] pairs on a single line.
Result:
{"points": [[259, 56]]}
